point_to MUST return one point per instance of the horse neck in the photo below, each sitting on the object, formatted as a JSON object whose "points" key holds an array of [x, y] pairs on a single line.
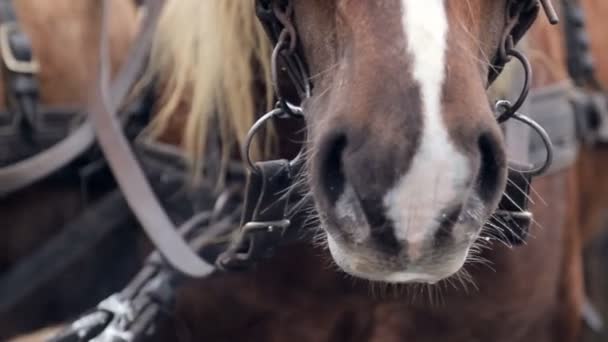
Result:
{"points": [[65, 37]]}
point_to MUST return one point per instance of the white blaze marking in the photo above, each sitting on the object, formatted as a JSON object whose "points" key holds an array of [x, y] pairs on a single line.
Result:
{"points": [[438, 171]]}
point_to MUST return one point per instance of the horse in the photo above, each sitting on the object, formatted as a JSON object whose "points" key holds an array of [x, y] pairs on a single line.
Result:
{"points": [[403, 194], [63, 38], [405, 166]]}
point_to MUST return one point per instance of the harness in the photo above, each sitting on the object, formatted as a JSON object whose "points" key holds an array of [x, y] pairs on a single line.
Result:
{"points": [[265, 221]]}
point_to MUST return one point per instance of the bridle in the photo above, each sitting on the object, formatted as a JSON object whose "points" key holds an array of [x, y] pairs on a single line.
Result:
{"points": [[277, 18]]}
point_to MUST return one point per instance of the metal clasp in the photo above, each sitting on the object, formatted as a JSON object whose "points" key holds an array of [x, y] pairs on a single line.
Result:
{"points": [[244, 250], [6, 52]]}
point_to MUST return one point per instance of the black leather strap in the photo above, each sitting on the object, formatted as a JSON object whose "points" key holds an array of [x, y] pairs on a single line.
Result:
{"points": [[264, 223]]}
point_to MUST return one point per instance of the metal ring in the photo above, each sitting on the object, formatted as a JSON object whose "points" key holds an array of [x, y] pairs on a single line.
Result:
{"points": [[284, 17], [274, 67], [508, 109], [296, 70], [251, 134], [289, 109], [293, 66], [546, 141], [537, 171]]}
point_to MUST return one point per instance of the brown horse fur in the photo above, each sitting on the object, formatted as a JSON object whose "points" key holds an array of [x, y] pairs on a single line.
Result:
{"points": [[65, 40], [530, 293]]}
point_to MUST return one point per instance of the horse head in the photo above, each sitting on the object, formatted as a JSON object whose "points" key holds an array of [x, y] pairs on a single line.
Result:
{"points": [[407, 159]]}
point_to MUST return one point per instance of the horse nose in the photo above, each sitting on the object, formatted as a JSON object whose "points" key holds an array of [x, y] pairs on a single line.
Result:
{"points": [[360, 159], [353, 174], [492, 162], [330, 166]]}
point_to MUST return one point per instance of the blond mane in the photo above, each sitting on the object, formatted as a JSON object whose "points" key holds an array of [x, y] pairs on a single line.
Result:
{"points": [[213, 54]]}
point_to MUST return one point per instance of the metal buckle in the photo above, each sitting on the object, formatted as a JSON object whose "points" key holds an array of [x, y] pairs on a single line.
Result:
{"points": [[13, 63], [244, 250], [122, 315]]}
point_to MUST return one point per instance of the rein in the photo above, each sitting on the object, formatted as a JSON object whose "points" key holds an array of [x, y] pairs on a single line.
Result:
{"points": [[121, 159]]}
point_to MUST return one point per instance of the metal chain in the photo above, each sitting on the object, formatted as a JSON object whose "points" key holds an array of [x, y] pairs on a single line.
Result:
{"points": [[277, 18]]}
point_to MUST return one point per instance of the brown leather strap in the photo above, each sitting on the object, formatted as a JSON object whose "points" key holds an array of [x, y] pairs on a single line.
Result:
{"points": [[126, 169]]}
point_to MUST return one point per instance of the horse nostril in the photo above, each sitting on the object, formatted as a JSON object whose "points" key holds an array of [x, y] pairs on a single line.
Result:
{"points": [[490, 169], [332, 172]]}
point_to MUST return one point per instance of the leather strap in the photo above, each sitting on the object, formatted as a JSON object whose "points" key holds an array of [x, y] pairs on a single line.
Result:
{"points": [[26, 172], [264, 223], [126, 169]]}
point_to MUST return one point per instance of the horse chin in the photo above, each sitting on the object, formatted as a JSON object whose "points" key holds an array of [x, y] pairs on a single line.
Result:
{"points": [[431, 264], [378, 269]]}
